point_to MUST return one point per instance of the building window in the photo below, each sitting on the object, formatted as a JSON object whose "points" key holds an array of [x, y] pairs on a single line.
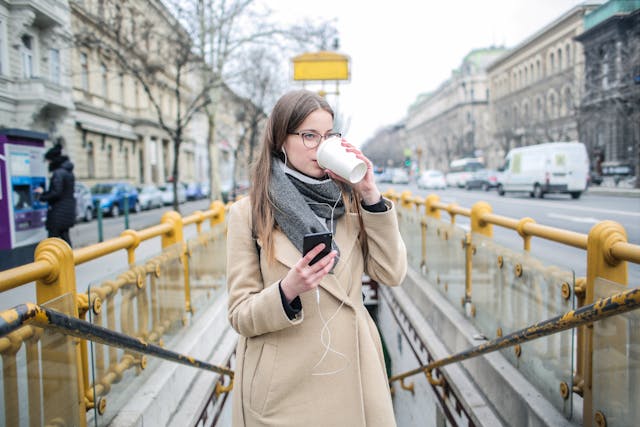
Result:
{"points": [[538, 69], [91, 165], [531, 72], [105, 81], [568, 101], [127, 159], [552, 106], [84, 72], [27, 56], [2, 47], [559, 59], [121, 81], [539, 109], [552, 63], [567, 53], [54, 65], [111, 161]]}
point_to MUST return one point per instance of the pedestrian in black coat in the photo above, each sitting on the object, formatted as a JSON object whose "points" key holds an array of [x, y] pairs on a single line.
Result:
{"points": [[61, 214]]}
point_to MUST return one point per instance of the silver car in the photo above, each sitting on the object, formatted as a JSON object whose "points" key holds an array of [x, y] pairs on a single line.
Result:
{"points": [[150, 197], [84, 202]]}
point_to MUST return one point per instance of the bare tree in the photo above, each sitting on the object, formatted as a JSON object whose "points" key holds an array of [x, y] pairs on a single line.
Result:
{"points": [[159, 53], [230, 32]]}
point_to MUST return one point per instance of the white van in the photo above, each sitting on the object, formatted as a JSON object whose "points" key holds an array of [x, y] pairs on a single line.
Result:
{"points": [[552, 167]]}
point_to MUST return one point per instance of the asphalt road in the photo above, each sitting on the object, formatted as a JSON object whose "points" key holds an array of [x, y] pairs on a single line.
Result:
{"points": [[558, 211], [84, 234]]}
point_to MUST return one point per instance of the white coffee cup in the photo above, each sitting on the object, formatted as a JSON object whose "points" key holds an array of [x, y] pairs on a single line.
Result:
{"points": [[333, 156]]}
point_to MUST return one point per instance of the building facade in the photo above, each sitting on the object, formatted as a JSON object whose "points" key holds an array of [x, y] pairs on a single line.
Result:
{"points": [[119, 108], [452, 121], [536, 87], [609, 113], [35, 83]]}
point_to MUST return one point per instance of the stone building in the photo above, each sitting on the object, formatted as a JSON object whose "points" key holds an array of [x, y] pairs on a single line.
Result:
{"points": [[452, 121], [609, 113], [118, 134], [35, 84], [535, 87]]}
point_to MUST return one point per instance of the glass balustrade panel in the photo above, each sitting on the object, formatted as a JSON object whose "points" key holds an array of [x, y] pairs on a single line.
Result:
{"points": [[39, 381], [146, 302], [616, 362], [207, 267], [512, 290]]}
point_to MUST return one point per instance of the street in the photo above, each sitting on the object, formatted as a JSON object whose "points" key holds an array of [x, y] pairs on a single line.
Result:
{"points": [[84, 234], [558, 211]]}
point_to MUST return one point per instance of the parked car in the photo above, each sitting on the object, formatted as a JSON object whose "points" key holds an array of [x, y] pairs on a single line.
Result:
{"points": [[484, 179], [384, 176], [242, 187], [399, 176], [194, 191], [432, 179], [167, 193], [460, 170], [111, 197], [150, 196], [84, 202]]}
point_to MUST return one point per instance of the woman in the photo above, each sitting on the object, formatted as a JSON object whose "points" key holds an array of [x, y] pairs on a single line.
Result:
{"points": [[308, 354]]}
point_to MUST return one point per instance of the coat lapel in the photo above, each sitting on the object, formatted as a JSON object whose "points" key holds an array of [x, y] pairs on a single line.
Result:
{"points": [[346, 239]]}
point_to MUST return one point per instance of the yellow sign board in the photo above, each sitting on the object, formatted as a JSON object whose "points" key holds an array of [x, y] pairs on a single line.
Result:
{"points": [[321, 65]]}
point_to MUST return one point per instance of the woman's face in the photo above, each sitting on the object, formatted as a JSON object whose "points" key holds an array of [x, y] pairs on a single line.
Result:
{"points": [[300, 157]]}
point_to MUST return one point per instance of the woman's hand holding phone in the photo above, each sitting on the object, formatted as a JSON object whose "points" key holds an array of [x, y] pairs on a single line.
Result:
{"points": [[304, 277]]}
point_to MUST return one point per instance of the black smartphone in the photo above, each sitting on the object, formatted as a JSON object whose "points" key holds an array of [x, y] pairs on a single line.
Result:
{"points": [[314, 239]]}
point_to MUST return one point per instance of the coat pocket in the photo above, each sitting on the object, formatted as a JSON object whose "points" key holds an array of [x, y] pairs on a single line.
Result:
{"points": [[262, 376]]}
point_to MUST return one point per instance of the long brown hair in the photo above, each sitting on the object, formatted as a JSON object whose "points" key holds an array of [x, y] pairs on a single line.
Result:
{"points": [[287, 115]]}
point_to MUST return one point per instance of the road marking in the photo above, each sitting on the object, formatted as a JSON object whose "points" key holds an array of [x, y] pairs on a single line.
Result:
{"points": [[544, 203], [574, 218]]}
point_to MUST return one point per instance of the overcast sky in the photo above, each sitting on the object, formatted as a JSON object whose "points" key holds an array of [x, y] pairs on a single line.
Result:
{"points": [[402, 48]]}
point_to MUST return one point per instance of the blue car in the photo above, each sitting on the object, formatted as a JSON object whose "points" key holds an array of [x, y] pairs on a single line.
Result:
{"points": [[111, 197], [194, 191]]}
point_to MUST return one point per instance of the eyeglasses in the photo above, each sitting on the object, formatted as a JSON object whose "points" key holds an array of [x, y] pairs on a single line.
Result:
{"points": [[312, 139]]}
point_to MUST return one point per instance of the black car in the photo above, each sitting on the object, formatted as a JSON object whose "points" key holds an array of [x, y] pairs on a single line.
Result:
{"points": [[484, 179]]}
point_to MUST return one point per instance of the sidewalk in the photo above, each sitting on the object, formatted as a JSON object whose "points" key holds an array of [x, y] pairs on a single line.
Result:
{"points": [[614, 191]]}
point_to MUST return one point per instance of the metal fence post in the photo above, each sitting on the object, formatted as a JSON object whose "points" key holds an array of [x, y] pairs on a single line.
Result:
{"points": [[126, 211], [481, 227], [600, 263], [174, 237], [61, 281], [217, 206]]}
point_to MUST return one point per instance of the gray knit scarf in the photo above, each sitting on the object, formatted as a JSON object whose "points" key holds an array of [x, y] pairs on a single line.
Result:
{"points": [[299, 200]]}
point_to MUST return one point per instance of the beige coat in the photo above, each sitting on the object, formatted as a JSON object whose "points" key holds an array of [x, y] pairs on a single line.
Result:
{"points": [[282, 378]]}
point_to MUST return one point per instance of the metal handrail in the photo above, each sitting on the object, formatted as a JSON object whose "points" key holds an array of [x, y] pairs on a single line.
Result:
{"points": [[35, 315], [601, 309]]}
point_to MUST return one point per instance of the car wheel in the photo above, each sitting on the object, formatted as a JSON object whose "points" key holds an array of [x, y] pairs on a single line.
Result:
{"points": [[500, 190], [537, 192], [115, 210], [485, 187], [575, 194], [88, 214]]}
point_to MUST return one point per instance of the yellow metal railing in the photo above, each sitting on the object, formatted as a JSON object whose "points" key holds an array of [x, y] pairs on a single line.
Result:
{"points": [[607, 252], [142, 302]]}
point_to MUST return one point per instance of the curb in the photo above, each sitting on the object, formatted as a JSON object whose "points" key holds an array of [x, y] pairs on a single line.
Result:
{"points": [[609, 191]]}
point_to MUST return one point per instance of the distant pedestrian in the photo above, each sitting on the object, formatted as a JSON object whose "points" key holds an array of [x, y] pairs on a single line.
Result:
{"points": [[61, 214]]}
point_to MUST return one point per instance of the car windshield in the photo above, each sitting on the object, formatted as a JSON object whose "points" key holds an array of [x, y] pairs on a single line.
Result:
{"points": [[103, 189]]}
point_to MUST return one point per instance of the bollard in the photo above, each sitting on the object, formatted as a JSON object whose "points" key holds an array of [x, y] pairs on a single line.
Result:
{"points": [[126, 211], [99, 220]]}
